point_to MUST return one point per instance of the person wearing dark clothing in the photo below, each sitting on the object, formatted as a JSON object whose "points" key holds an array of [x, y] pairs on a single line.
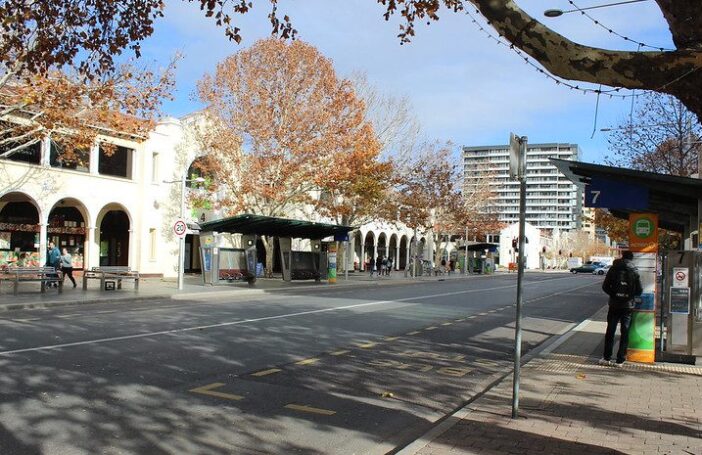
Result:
{"points": [[622, 284], [379, 265], [53, 259]]}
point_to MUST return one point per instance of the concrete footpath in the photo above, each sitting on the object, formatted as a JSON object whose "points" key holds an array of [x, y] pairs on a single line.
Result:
{"points": [[29, 295], [571, 405]]}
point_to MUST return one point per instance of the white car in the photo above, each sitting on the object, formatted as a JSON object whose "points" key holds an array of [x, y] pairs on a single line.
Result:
{"points": [[601, 270]]}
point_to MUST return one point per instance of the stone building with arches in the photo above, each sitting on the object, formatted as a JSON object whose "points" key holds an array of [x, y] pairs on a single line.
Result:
{"points": [[117, 207], [110, 208]]}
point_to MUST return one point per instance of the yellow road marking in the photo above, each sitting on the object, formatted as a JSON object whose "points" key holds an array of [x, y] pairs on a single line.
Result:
{"points": [[207, 390], [447, 323], [342, 352], [266, 372], [416, 332], [370, 344], [431, 328], [453, 371], [307, 361], [310, 409], [391, 338]]}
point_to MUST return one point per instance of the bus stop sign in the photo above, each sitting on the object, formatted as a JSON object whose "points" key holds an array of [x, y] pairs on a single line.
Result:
{"points": [[610, 194]]}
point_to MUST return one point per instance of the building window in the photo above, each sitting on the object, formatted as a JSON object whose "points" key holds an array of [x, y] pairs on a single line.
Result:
{"points": [[29, 154], [153, 242], [115, 161], [154, 167], [79, 160]]}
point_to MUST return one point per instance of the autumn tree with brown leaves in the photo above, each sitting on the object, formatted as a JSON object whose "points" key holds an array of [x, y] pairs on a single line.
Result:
{"points": [[426, 196], [282, 131], [59, 78]]}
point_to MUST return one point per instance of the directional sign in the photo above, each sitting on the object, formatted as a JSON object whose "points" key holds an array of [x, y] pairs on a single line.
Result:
{"points": [[180, 228], [611, 194]]}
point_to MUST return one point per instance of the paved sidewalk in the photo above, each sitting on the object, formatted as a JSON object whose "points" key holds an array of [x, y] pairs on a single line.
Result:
{"points": [[570, 405], [160, 288]]}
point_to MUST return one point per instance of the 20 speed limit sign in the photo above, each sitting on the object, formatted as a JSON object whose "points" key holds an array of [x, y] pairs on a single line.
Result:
{"points": [[180, 228]]}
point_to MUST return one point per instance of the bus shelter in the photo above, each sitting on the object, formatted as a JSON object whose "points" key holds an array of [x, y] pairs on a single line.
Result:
{"points": [[229, 247], [673, 278]]}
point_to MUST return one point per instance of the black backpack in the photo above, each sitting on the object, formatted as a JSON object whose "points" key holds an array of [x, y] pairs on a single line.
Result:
{"points": [[623, 286]]}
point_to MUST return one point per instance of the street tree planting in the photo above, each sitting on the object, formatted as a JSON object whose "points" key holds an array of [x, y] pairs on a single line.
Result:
{"points": [[279, 131]]}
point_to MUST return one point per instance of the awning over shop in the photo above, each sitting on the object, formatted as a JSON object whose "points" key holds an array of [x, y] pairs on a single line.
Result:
{"points": [[673, 198], [276, 227]]}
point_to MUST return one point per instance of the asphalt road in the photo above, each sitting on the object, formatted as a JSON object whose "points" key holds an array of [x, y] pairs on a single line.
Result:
{"points": [[329, 371]]}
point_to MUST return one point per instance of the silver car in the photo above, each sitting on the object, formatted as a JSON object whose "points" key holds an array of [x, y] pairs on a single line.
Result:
{"points": [[601, 270]]}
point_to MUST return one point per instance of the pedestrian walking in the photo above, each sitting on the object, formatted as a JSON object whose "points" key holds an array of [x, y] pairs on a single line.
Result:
{"points": [[622, 284], [67, 267], [384, 265], [379, 264], [452, 266], [53, 259], [389, 266]]}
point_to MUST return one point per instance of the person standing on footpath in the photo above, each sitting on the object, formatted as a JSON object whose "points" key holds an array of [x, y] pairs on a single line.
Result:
{"points": [[53, 259], [67, 266], [622, 284]]}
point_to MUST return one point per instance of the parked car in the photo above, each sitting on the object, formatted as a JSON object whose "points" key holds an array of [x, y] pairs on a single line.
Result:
{"points": [[587, 268], [601, 270]]}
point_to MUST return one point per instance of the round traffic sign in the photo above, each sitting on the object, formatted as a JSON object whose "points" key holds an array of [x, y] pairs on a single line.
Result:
{"points": [[180, 228], [680, 276]]}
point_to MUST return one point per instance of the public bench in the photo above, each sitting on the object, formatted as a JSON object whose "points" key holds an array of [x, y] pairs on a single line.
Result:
{"points": [[44, 275], [111, 273]]}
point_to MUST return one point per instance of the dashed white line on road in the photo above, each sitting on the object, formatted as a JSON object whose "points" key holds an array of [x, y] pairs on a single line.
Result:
{"points": [[266, 318]]}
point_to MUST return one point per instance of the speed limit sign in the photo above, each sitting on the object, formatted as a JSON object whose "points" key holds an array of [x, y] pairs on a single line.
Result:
{"points": [[180, 228]]}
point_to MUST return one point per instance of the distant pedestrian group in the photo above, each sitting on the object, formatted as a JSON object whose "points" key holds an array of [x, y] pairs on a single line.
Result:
{"points": [[382, 266]]}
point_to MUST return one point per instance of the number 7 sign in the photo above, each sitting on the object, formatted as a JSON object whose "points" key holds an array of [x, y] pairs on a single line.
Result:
{"points": [[610, 194]]}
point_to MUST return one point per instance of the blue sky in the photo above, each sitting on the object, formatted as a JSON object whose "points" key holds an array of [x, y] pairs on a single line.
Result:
{"points": [[463, 87]]}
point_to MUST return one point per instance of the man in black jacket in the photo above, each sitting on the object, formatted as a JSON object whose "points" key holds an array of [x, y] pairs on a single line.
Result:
{"points": [[622, 284]]}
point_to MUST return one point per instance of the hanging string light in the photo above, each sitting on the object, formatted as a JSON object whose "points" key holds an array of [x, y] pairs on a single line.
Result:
{"points": [[614, 92], [614, 32]]}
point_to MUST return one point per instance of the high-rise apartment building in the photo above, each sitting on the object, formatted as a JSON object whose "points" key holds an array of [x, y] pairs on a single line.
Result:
{"points": [[553, 201]]}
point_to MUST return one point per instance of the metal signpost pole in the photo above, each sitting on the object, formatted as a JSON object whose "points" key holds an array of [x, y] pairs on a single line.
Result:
{"points": [[521, 176], [465, 255], [181, 242], [346, 260]]}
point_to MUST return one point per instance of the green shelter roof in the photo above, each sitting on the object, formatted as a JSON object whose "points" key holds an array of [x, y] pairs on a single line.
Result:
{"points": [[274, 226]]}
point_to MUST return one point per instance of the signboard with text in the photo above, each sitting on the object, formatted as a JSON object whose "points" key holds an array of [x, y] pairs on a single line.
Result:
{"points": [[643, 241], [612, 194]]}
